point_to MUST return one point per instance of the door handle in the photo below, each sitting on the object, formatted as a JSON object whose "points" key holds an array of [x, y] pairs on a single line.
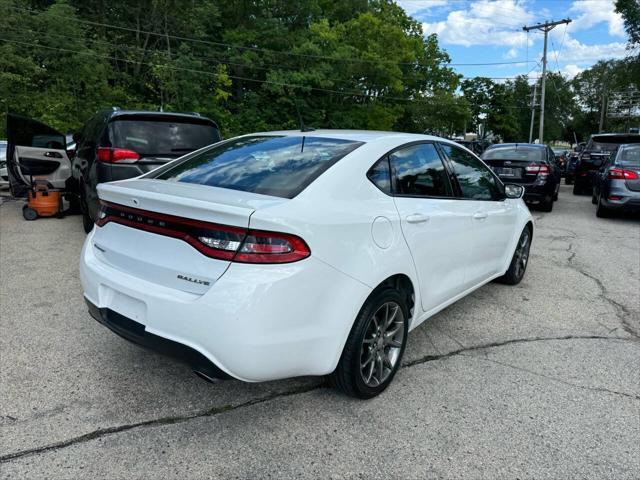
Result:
{"points": [[53, 154], [480, 215], [417, 218]]}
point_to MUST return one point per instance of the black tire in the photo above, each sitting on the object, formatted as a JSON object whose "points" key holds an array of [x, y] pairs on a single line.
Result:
{"points": [[568, 181], [601, 210], [29, 214], [515, 274], [555, 195], [576, 189], [347, 376], [87, 222], [546, 205]]}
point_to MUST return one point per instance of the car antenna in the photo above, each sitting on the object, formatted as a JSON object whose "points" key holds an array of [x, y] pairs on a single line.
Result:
{"points": [[303, 127]]}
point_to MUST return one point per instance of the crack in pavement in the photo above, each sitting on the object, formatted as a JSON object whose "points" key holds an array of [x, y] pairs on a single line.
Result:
{"points": [[211, 412], [621, 310], [556, 379]]}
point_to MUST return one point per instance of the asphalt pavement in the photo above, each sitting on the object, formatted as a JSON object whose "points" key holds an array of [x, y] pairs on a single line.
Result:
{"points": [[541, 380]]}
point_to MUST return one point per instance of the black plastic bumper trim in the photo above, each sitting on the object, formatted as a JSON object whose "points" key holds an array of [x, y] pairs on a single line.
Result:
{"points": [[135, 332]]}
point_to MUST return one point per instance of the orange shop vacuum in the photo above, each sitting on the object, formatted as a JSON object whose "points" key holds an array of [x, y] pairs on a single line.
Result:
{"points": [[43, 201]]}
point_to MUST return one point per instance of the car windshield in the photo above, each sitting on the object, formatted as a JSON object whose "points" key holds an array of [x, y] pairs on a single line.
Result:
{"points": [[280, 166], [629, 157], [171, 137], [530, 154]]}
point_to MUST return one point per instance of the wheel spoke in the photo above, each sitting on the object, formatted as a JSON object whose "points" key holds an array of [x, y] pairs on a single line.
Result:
{"points": [[391, 318], [380, 368], [394, 343], [370, 374], [368, 360]]}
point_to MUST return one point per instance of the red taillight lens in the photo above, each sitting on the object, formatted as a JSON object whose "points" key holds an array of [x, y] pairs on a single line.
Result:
{"points": [[621, 174], [538, 168], [223, 242], [117, 155], [271, 247]]}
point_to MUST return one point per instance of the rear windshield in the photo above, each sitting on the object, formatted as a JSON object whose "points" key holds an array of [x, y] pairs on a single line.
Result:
{"points": [[166, 138], [611, 143], [629, 157], [271, 165], [529, 154]]}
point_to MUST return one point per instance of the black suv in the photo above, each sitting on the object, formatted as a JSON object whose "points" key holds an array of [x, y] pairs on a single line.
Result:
{"points": [[531, 165], [598, 150], [118, 144]]}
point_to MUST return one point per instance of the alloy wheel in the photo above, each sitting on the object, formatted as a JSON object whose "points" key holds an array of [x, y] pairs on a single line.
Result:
{"points": [[522, 253], [382, 344]]}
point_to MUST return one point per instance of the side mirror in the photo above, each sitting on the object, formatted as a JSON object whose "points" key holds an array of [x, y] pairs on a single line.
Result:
{"points": [[511, 190]]}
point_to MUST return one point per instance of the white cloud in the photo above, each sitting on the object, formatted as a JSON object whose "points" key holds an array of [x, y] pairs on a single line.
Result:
{"points": [[572, 70], [577, 52], [484, 22], [415, 6], [511, 53], [592, 12]]}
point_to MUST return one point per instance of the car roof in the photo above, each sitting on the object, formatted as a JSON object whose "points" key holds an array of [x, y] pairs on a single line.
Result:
{"points": [[616, 135], [364, 136], [536, 145], [115, 112]]}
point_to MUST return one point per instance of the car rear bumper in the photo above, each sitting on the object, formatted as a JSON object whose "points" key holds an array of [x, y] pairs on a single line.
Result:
{"points": [[135, 332], [628, 203], [537, 193], [255, 323]]}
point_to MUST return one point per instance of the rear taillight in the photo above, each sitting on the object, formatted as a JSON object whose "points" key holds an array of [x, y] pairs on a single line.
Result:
{"points": [[117, 155], [223, 242], [622, 174], [538, 168]]}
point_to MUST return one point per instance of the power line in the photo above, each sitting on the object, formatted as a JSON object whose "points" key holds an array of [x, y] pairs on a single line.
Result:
{"points": [[259, 49], [426, 100], [196, 57]]}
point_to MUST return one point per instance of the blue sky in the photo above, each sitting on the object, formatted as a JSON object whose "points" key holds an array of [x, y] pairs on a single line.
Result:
{"points": [[474, 31]]}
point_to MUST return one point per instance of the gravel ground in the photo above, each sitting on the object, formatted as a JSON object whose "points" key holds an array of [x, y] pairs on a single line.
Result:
{"points": [[541, 380]]}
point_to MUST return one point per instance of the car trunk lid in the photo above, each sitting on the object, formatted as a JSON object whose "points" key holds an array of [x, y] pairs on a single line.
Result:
{"points": [[517, 171], [157, 230]]}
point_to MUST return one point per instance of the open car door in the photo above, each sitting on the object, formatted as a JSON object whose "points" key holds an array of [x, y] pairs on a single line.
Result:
{"points": [[37, 151]]}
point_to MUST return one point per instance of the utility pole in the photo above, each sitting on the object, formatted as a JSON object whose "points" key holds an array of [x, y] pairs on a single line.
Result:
{"points": [[533, 111], [603, 107], [545, 27]]}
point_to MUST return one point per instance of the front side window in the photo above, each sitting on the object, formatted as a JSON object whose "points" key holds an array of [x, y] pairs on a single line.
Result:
{"points": [[280, 166], [475, 179], [418, 171]]}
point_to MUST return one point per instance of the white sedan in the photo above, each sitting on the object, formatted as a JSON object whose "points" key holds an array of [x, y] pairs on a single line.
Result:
{"points": [[293, 253]]}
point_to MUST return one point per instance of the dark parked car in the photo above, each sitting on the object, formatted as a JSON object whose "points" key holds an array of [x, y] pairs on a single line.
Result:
{"points": [[572, 162], [617, 183], [531, 165], [118, 144], [598, 150], [561, 155]]}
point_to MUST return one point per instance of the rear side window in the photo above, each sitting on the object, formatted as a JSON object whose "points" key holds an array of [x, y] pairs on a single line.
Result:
{"points": [[475, 179], [629, 157], [528, 154], [418, 171], [280, 166], [169, 137], [380, 175]]}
